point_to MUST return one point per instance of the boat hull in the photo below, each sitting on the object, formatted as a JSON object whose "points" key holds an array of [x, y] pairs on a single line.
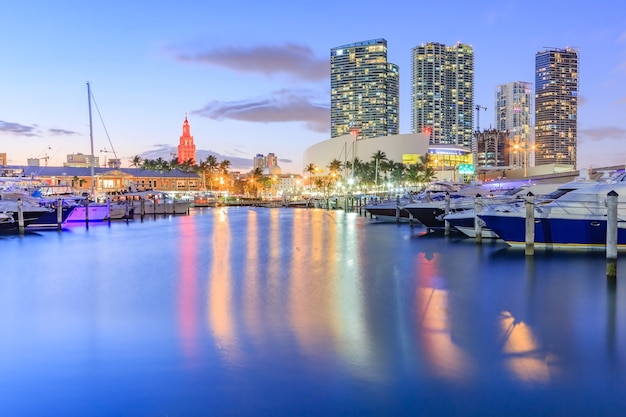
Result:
{"points": [[388, 213], [50, 219], [97, 213], [558, 233], [466, 226], [149, 207]]}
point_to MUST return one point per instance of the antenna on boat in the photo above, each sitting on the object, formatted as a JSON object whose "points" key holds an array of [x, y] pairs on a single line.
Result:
{"points": [[92, 162]]}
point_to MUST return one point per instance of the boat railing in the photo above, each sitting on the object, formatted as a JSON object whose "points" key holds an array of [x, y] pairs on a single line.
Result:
{"points": [[595, 207]]}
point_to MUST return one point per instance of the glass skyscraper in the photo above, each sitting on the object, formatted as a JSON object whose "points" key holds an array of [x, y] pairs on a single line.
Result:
{"points": [[364, 90], [556, 106], [442, 93], [513, 114]]}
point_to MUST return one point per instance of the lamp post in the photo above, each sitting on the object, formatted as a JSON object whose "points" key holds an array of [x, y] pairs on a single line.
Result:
{"points": [[524, 158]]}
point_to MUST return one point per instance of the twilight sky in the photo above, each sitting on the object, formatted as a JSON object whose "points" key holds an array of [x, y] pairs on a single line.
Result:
{"points": [[253, 77]]}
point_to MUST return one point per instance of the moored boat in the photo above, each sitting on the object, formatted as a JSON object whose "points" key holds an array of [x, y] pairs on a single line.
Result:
{"points": [[577, 220]]}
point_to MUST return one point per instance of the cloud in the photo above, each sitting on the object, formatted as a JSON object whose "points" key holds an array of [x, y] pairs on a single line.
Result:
{"points": [[285, 160], [18, 129], [603, 133], [282, 106], [31, 131], [295, 60], [61, 132]]}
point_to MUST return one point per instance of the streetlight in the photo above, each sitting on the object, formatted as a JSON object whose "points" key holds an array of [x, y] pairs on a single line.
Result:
{"points": [[525, 148]]}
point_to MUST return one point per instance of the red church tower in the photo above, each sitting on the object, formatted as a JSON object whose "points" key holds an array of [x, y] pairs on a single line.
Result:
{"points": [[186, 147]]}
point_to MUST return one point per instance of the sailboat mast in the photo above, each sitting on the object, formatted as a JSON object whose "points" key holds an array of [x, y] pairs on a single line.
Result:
{"points": [[92, 158]]}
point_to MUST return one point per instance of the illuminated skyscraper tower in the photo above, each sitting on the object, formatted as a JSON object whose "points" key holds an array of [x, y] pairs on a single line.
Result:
{"points": [[513, 114], [442, 93], [556, 106], [364, 90], [186, 147]]}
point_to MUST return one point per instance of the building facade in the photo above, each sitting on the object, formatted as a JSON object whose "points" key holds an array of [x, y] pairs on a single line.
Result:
{"points": [[364, 90], [556, 106], [513, 114], [267, 164], [493, 148], [442, 93], [186, 147]]}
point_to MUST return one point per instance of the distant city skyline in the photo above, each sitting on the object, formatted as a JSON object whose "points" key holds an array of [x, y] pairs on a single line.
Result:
{"points": [[255, 78]]}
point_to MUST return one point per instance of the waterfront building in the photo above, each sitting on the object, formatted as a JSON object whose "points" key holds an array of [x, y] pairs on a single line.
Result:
{"points": [[556, 106], [442, 93], [80, 160], [408, 149], [513, 115], [107, 180], [186, 147], [267, 164], [364, 90], [493, 148]]}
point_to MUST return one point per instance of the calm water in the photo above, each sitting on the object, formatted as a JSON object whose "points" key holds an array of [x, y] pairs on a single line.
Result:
{"points": [[287, 312]]}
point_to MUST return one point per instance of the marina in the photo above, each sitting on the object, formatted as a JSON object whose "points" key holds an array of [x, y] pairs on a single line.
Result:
{"points": [[286, 311]]}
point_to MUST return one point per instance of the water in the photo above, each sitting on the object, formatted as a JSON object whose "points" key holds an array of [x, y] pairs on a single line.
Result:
{"points": [[281, 312]]}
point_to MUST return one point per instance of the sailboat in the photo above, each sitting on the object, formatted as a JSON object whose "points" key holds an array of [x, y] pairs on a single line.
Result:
{"points": [[88, 211]]}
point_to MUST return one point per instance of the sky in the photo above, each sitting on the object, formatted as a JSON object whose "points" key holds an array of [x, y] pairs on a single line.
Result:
{"points": [[253, 77]]}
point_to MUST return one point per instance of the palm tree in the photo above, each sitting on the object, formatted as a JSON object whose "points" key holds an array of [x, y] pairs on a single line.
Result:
{"points": [[254, 177], [136, 161], [310, 168], [202, 168], [224, 166], [378, 156], [212, 165]]}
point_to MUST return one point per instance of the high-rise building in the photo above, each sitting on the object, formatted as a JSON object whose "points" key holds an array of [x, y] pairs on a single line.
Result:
{"points": [[513, 114], [442, 93], [556, 106], [268, 164], [186, 147], [364, 90]]}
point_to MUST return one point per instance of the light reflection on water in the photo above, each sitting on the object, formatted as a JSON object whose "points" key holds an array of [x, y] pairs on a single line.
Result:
{"points": [[239, 311]]}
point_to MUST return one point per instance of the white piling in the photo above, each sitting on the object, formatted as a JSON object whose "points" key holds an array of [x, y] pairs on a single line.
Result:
{"points": [[530, 224], [20, 215], [59, 213], [447, 211], [397, 209], [611, 234], [478, 228]]}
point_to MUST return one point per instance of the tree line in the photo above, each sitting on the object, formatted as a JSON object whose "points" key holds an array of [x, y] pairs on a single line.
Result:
{"points": [[379, 170], [209, 169]]}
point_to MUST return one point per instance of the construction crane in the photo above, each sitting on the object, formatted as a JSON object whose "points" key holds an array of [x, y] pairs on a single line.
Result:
{"points": [[478, 108]]}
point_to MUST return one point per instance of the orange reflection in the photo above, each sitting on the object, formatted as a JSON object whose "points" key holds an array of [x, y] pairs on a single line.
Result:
{"points": [[308, 301], [522, 354], [220, 292], [187, 288], [252, 314], [444, 357]]}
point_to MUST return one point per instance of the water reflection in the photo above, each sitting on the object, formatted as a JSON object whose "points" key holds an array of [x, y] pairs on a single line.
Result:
{"points": [[219, 298], [245, 311], [188, 288]]}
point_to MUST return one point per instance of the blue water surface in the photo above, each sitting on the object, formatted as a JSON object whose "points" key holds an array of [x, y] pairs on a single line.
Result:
{"points": [[303, 312]]}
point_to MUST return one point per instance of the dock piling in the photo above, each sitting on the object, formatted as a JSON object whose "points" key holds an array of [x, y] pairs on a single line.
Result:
{"points": [[20, 215], [478, 228], [447, 211], [530, 224], [611, 234], [59, 213]]}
